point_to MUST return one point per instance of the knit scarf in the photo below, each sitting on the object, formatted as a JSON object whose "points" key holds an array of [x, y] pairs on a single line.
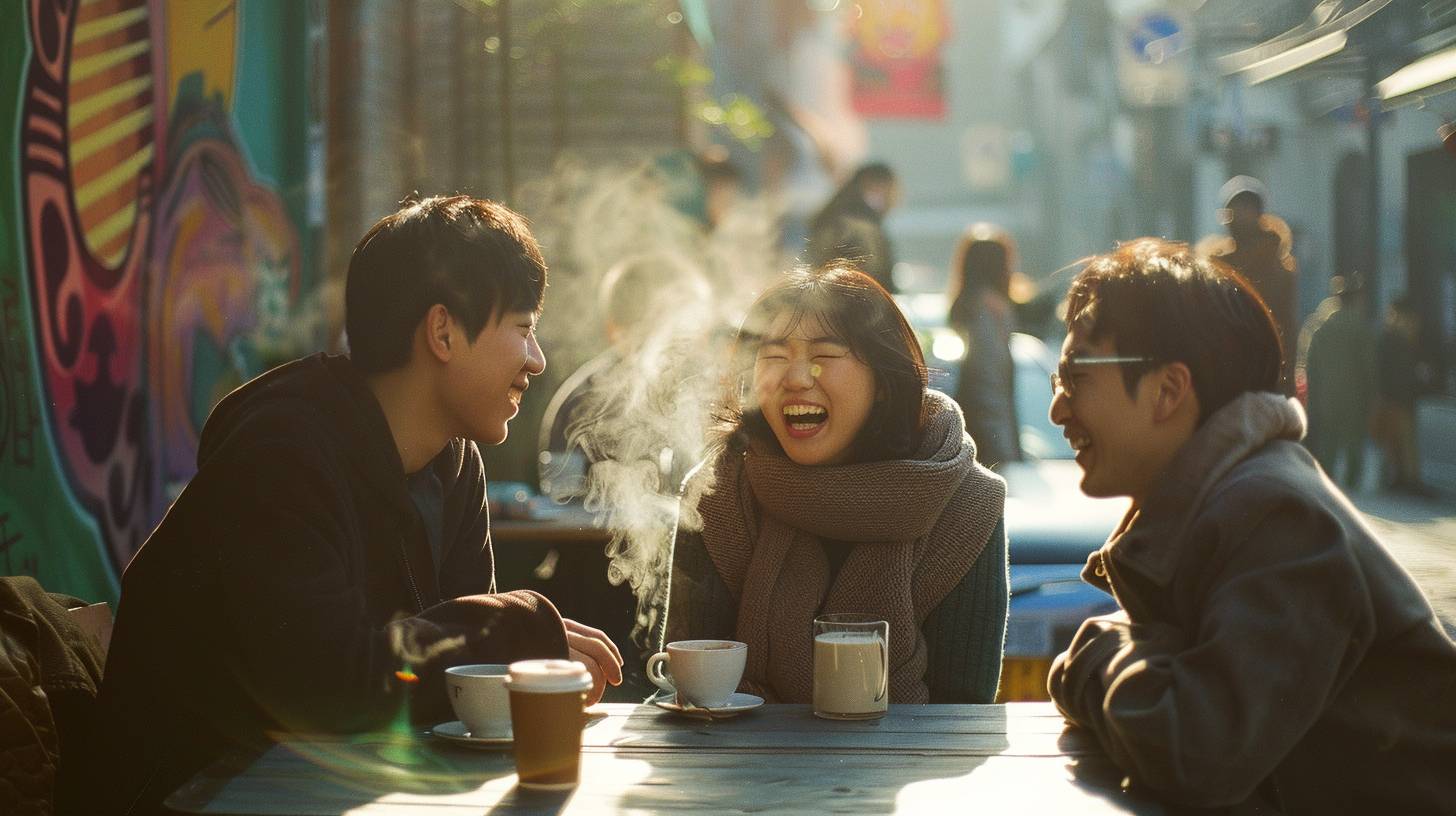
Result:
{"points": [[917, 526]]}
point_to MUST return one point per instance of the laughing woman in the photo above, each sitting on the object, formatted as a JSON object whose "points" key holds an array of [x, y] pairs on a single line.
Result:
{"points": [[842, 484]]}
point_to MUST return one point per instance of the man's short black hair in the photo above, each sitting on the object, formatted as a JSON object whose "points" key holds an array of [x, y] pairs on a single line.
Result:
{"points": [[477, 258], [1159, 299]]}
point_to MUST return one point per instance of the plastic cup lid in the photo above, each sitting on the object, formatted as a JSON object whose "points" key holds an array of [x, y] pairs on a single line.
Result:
{"points": [[549, 676]]}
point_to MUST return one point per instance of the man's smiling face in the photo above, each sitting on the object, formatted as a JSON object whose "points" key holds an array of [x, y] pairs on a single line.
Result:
{"points": [[1111, 430], [487, 377]]}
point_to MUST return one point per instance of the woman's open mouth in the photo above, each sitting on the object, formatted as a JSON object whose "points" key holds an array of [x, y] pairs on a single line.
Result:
{"points": [[803, 421]]}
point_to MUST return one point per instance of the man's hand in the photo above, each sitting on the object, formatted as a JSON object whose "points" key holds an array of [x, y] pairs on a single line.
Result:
{"points": [[597, 651]]}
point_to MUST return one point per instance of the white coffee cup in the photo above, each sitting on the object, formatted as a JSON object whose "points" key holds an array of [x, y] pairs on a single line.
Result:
{"points": [[704, 673], [478, 695]]}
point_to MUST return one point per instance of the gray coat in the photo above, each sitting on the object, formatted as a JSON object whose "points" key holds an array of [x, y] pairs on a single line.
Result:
{"points": [[1268, 647]]}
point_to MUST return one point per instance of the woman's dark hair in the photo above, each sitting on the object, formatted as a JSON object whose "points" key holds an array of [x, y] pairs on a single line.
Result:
{"points": [[477, 258], [984, 260], [1159, 299], [852, 307]]}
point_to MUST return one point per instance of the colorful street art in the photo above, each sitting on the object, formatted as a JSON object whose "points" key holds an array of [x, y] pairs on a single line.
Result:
{"points": [[147, 265]]}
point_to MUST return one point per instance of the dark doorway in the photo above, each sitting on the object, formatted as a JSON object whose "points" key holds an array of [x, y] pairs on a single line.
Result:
{"points": [[1430, 251]]}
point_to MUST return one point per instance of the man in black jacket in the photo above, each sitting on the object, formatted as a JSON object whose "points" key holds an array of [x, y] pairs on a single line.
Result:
{"points": [[332, 555]]}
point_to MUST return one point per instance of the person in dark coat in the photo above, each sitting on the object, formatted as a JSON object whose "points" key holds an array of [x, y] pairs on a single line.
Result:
{"points": [[851, 225], [1269, 653], [332, 555], [1399, 385], [981, 311], [1337, 361]]}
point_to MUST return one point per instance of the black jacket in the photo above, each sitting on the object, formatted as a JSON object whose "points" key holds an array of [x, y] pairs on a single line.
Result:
{"points": [[292, 587]]}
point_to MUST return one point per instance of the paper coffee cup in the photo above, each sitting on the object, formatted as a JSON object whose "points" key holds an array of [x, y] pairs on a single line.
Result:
{"points": [[548, 705]]}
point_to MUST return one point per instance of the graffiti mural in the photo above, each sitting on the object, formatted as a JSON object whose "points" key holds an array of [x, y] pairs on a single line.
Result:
{"points": [[156, 271]]}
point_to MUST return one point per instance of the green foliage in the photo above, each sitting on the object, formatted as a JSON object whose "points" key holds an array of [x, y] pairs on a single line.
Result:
{"points": [[739, 116], [735, 114]]}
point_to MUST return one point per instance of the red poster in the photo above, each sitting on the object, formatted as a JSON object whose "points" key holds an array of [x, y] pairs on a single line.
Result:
{"points": [[896, 59]]}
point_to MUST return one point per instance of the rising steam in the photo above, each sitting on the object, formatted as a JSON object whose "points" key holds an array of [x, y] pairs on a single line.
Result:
{"points": [[643, 422]]}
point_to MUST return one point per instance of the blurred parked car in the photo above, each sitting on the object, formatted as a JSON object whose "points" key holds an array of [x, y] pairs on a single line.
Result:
{"points": [[1051, 525]]}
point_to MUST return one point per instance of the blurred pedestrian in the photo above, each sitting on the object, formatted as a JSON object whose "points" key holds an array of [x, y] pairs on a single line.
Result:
{"points": [[1260, 247], [1398, 386], [613, 408], [1337, 364], [981, 311], [851, 224]]}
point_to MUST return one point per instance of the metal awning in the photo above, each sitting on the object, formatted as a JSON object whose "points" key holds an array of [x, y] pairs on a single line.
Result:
{"points": [[1323, 34], [1432, 74], [1426, 77]]}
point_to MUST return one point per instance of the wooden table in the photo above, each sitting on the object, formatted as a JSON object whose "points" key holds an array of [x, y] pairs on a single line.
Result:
{"points": [[1016, 759]]}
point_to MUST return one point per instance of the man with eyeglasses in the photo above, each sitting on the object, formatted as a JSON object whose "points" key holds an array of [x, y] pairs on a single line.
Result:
{"points": [[1269, 654]]}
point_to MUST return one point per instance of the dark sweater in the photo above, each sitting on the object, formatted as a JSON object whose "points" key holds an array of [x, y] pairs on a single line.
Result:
{"points": [[964, 635], [291, 581]]}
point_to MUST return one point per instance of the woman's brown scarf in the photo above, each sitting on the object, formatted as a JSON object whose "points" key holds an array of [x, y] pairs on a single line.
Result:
{"points": [[917, 524]]}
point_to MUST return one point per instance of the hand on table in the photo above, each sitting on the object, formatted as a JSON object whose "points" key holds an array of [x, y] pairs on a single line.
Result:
{"points": [[597, 652]]}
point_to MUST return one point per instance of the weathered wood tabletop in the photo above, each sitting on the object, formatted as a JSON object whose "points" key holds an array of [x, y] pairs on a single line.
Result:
{"points": [[1014, 758]]}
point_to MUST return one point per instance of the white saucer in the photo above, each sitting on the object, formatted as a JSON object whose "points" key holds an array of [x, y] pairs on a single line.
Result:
{"points": [[455, 731], [737, 703]]}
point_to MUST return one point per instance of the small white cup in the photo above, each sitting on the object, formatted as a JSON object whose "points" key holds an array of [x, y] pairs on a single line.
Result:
{"points": [[478, 695], [704, 673]]}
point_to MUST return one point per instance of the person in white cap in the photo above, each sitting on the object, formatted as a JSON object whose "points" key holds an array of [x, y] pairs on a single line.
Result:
{"points": [[1259, 246]]}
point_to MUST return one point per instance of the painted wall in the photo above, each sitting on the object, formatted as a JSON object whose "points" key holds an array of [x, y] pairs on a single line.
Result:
{"points": [[156, 242]]}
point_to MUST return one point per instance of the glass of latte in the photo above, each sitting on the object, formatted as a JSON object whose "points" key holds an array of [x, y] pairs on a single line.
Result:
{"points": [[851, 666]]}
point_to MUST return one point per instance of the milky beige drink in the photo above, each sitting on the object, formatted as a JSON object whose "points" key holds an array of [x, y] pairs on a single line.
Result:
{"points": [[849, 676], [548, 701], [851, 666]]}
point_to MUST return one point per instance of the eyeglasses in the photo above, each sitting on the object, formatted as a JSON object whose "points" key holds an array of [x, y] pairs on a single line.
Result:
{"points": [[1062, 377]]}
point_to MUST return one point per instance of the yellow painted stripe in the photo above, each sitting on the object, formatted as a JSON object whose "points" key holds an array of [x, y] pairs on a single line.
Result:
{"points": [[102, 26], [95, 103], [91, 66], [113, 257], [101, 234], [113, 178], [82, 149]]}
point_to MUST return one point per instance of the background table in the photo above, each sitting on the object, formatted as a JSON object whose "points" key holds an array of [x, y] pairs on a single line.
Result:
{"points": [[1015, 758], [564, 558]]}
